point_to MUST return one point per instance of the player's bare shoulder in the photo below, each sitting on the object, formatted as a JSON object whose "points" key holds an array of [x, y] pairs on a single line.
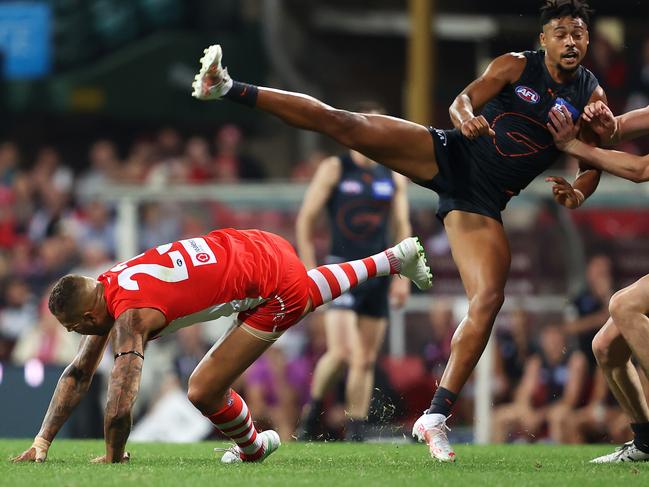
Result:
{"points": [[509, 66]]}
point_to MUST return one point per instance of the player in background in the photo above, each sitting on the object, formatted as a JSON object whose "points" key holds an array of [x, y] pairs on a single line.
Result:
{"points": [[626, 332], [253, 273], [364, 201], [500, 143]]}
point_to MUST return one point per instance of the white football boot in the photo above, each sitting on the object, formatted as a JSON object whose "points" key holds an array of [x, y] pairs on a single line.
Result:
{"points": [[626, 453], [213, 80], [271, 443], [411, 254], [432, 429]]}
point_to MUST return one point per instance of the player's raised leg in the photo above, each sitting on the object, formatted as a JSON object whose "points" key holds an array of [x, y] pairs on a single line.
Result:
{"points": [[481, 252], [403, 146], [407, 258]]}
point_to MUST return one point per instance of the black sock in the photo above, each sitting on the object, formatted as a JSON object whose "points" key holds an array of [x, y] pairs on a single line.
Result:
{"points": [[355, 429], [641, 433], [243, 93], [315, 411], [442, 402]]}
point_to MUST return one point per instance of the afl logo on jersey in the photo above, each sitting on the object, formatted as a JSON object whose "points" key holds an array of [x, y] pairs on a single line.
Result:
{"points": [[350, 186], [527, 94]]}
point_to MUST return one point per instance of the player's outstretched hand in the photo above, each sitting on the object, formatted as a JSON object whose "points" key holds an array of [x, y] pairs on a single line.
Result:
{"points": [[601, 120], [102, 459], [475, 127], [36, 453], [564, 193], [563, 130]]}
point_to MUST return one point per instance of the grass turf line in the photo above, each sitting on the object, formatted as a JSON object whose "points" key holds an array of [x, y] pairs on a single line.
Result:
{"points": [[339, 464]]}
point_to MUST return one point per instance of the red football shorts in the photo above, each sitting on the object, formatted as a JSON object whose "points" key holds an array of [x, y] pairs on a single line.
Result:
{"points": [[285, 307]]}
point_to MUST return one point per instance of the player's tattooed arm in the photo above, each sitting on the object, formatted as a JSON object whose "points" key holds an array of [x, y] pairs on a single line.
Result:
{"points": [[71, 388], [129, 335]]}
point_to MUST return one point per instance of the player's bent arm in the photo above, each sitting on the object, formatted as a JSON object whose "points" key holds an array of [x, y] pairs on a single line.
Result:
{"points": [[130, 331], [315, 198], [70, 389], [501, 71]]}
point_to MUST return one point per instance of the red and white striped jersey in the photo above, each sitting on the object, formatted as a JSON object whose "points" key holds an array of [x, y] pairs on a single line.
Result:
{"points": [[197, 279]]}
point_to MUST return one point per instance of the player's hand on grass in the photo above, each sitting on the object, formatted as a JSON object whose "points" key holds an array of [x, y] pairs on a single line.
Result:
{"points": [[475, 127], [102, 459], [563, 130], [601, 120], [564, 193], [36, 453]]}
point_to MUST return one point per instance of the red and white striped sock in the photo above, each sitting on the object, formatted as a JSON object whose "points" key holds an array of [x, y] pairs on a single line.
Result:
{"points": [[327, 282], [234, 421]]}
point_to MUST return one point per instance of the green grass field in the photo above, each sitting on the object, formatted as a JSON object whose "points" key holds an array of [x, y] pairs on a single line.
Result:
{"points": [[336, 464]]}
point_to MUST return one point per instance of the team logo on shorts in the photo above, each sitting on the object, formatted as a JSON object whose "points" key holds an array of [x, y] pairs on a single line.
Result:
{"points": [[442, 136], [527, 94]]}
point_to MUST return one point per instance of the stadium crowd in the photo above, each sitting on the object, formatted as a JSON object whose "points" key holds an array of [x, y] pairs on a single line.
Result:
{"points": [[546, 381]]}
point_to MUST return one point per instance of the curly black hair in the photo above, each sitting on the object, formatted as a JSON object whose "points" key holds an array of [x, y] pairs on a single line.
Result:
{"points": [[555, 9], [65, 291]]}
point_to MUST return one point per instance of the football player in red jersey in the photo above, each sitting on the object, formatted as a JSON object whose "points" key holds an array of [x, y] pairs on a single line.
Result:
{"points": [[253, 273]]}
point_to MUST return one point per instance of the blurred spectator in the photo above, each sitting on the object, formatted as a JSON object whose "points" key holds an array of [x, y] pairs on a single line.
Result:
{"points": [[304, 170], [48, 342], [104, 168], [610, 68], [97, 225], [639, 97], [24, 204], [442, 323], [591, 305], [9, 162], [49, 173], [550, 389], [198, 160], [95, 260], [191, 349], [8, 224], [53, 261], [600, 420], [270, 393], [160, 224], [17, 316], [230, 165], [139, 161], [513, 349], [48, 219]]}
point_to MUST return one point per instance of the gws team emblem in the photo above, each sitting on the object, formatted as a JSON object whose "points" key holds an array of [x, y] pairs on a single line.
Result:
{"points": [[527, 94]]}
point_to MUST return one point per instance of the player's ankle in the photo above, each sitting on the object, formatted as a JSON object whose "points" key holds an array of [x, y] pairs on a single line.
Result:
{"points": [[243, 93]]}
